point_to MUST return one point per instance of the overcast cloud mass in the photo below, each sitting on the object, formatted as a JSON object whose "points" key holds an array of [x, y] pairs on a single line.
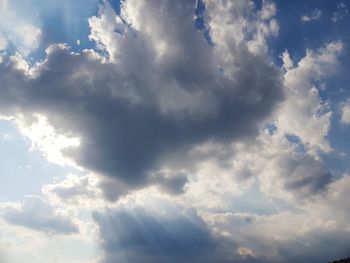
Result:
{"points": [[174, 131]]}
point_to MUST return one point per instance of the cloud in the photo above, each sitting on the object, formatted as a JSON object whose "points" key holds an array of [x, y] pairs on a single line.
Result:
{"points": [[162, 234], [45, 138], [155, 229], [284, 160], [235, 23], [16, 31], [134, 235], [303, 113], [315, 15], [302, 235], [37, 214], [296, 174], [288, 63], [340, 13], [208, 151], [136, 119], [283, 167], [74, 189], [285, 157], [345, 113], [270, 163]]}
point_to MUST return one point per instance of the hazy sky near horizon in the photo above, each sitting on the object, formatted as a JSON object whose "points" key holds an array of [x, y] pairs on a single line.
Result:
{"points": [[174, 131]]}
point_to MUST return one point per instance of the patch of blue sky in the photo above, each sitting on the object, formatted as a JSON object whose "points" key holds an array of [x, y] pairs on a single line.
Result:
{"points": [[296, 36], [23, 171], [200, 21], [116, 5], [271, 128], [295, 140]]}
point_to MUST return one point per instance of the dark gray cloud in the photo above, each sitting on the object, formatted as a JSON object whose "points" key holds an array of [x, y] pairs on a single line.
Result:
{"points": [[302, 175], [38, 214], [175, 184], [138, 114]]}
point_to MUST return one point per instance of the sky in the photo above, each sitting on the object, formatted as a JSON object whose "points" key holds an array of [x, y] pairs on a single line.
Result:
{"points": [[174, 131]]}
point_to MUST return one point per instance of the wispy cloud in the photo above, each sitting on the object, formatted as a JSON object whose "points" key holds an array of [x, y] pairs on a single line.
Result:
{"points": [[340, 13], [315, 15]]}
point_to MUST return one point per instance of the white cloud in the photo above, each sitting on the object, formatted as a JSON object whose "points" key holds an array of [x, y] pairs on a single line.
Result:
{"points": [[103, 30], [274, 164], [30, 35], [303, 113], [245, 252], [315, 15], [345, 113], [288, 63], [76, 191], [16, 31], [19, 244], [290, 170], [46, 139], [234, 23], [288, 235], [268, 10]]}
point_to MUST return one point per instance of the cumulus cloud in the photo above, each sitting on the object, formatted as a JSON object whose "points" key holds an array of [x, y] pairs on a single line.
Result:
{"points": [[297, 174], [176, 125], [159, 92], [285, 157], [156, 229], [37, 214], [232, 23], [303, 113], [302, 234], [283, 161], [278, 167]]}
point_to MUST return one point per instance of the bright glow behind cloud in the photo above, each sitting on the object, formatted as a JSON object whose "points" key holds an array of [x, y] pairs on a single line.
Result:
{"points": [[46, 139]]}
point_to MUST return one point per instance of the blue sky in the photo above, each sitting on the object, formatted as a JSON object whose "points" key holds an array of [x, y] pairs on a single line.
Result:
{"points": [[174, 131]]}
